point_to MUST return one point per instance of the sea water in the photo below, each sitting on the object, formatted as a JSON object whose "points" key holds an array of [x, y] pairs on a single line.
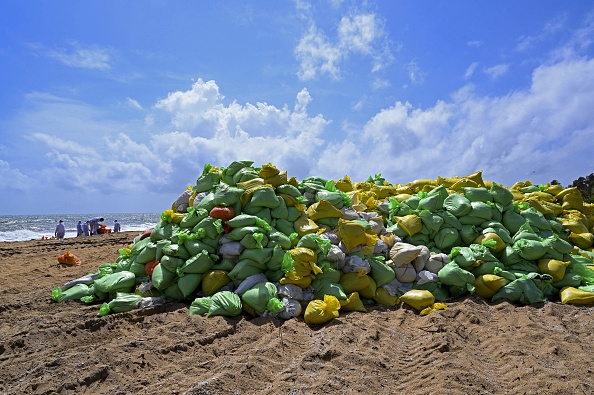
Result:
{"points": [[34, 227]]}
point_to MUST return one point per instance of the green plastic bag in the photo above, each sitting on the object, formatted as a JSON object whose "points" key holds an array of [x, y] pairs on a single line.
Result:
{"points": [[123, 302], [259, 295], [200, 306], [454, 276], [76, 292], [198, 264], [224, 303], [457, 204], [380, 272], [162, 277], [116, 282], [523, 291]]}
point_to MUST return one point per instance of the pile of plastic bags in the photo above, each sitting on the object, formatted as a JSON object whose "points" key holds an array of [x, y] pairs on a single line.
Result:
{"points": [[250, 239]]}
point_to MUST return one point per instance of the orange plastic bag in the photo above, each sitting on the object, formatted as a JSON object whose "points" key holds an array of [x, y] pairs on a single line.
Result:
{"points": [[69, 259]]}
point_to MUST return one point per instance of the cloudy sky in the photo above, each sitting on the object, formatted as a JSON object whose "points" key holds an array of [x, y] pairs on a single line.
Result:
{"points": [[116, 106]]}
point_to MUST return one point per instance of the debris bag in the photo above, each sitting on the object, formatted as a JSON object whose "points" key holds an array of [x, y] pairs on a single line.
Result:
{"points": [[353, 282], [321, 311], [250, 282], [259, 296], [192, 218], [188, 283], [571, 295], [459, 280], [87, 280], [380, 271], [383, 297], [405, 273], [200, 306], [477, 194], [162, 277], [69, 258], [213, 281], [418, 299], [116, 282], [224, 303], [353, 303], [123, 302], [76, 292], [553, 267], [292, 308], [403, 253], [487, 285], [323, 287], [523, 291], [457, 204]]}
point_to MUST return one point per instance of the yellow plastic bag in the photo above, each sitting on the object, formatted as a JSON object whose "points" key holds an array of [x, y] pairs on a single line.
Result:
{"points": [[213, 281], [305, 225], [370, 290], [268, 170], [304, 261], [354, 282], [383, 297], [353, 303], [432, 308], [553, 267], [418, 299], [487, 285], [499, 244], [582, 240], [571, 295], [353, 234], [411, 223], [344, 184], [322, 311], [323, 209], [293, 278]]}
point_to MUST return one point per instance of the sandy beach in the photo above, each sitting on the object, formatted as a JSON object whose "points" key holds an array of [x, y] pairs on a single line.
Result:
{"points": [[473, 347]]}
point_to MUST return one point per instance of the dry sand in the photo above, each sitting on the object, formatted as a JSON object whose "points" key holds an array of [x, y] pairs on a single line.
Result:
{"points": [[473, 347]]}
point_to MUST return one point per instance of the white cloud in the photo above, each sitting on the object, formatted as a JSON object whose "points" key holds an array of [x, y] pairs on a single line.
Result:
{"points": [[471, 69], [13, 179], [92, 57], [540, 134], [475, 43], [358, 33], [550, 28], [133, 103], [317, 55], [496, 71], [380, 83], [415, 74], [208, 131]]}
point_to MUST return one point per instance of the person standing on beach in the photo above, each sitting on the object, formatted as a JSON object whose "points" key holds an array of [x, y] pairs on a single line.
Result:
{"points": [[60, 231], [116, 226], [94, 223], [79, 229], [86, 231]]}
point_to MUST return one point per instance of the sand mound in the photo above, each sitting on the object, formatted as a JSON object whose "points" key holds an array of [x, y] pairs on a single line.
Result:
{"points": [[473, 347]]}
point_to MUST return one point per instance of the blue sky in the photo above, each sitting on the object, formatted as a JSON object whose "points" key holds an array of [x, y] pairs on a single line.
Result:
{"points": [[115, 106]]}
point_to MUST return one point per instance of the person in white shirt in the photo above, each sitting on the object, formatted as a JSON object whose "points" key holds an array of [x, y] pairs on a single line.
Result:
{"points": [[116, 226], [60, 231], [86, 230], [79, 229], [94, 224]]}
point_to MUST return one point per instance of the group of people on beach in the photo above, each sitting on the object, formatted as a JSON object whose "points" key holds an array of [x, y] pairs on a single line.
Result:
{"points": [[88, 228]]}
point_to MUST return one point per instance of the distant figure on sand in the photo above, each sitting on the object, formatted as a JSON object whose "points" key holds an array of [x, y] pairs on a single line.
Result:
{"points": [[79, 229], [60, 231], [86, 230], [116, 226], [94, 224]]}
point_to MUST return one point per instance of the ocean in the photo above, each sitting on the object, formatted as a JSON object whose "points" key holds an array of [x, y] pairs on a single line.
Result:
{"points": [[33, 227]]}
